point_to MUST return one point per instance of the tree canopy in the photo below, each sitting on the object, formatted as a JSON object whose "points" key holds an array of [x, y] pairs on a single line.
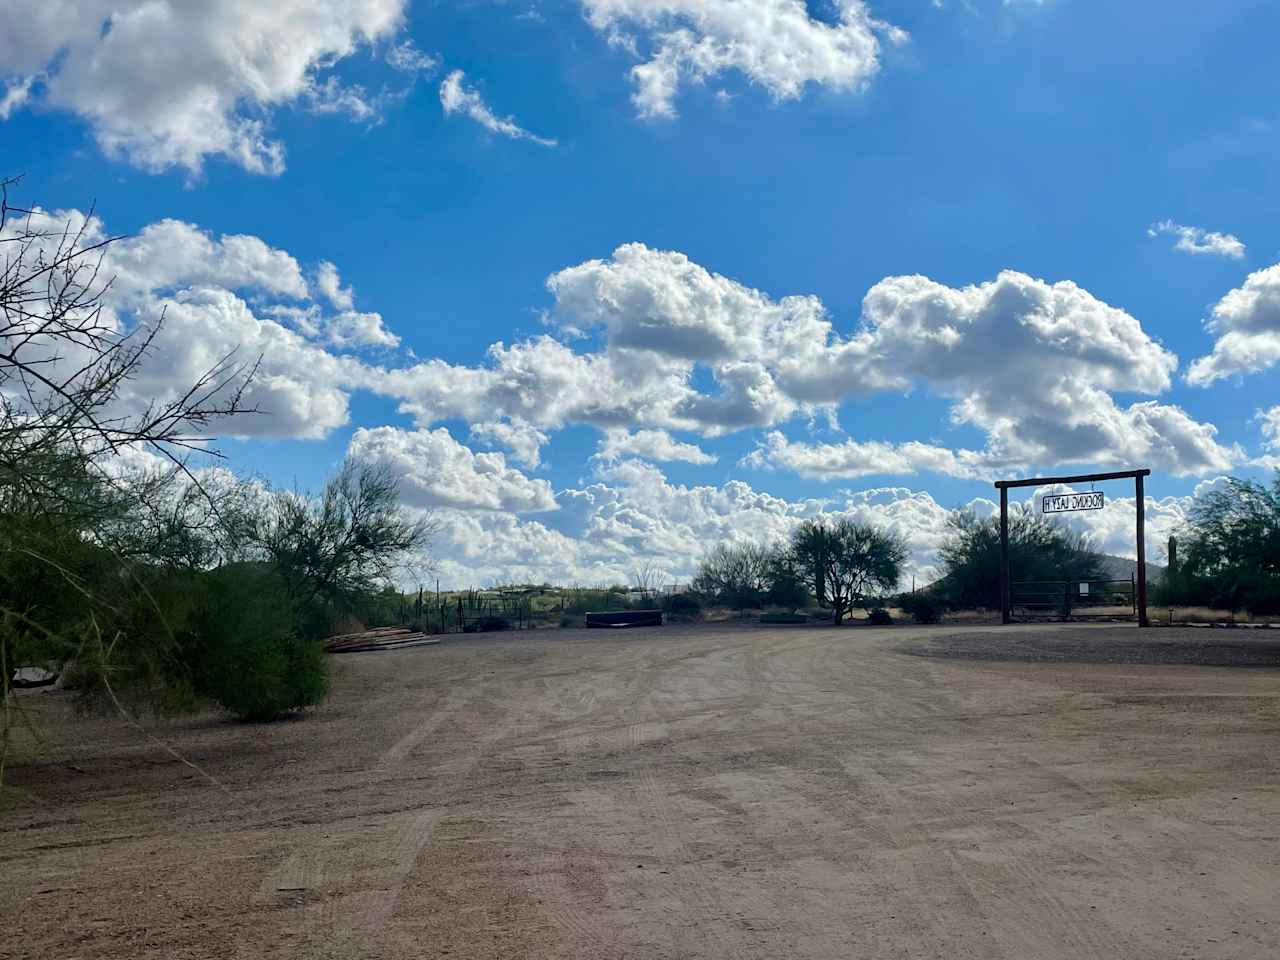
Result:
{"points": [[344, 542], [855, 564], [1039, 549], [124, 565], [1229, 554], [736, 575]]}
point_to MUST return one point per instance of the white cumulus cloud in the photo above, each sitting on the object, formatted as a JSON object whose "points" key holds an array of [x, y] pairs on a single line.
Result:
{"points": [[1269, 423], [165, 84], [651, 445], [850, 458], [16, 94], [1063, 354], [330, 285], [776, 44], [1246, 323], [541, 382], [663, 319], [1113, 529], [1197, 240], [436, 470], [220, 295], [634, 514], [523, 439], [1269, 426]]}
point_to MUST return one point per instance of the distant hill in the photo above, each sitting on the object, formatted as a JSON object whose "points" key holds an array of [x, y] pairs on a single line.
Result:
{"points": [[1122, 568]]}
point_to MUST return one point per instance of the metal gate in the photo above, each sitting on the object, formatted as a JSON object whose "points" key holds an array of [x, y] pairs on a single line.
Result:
{"points": [[1073, 599]]}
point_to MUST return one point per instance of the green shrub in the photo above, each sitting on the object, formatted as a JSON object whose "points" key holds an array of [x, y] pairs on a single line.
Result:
{"points": [[249, 656], [1230, 555], [682, 605], [879, 617], [922, 607], [1040, 548]]}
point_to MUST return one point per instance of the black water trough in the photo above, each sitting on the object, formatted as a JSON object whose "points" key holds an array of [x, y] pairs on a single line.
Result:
{"points": [[625, 618]]}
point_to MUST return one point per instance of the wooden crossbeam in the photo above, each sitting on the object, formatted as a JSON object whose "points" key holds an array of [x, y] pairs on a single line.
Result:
{"points": [[1083, 478]]}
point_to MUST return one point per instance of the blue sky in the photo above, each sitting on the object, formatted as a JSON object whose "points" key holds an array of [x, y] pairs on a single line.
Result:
{"points": [[1041, 138]]}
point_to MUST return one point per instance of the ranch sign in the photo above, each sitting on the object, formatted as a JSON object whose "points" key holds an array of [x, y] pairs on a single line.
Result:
{"points": [[1065, 502]]}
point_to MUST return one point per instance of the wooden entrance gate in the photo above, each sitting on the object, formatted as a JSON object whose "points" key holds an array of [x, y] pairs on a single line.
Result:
{"points": [[1140, 586]]}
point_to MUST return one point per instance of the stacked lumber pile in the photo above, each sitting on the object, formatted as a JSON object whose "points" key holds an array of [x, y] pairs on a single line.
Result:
{"points": [[380, 638]]}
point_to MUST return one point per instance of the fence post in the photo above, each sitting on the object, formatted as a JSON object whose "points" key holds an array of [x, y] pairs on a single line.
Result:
{"points": [[1004, 555]]}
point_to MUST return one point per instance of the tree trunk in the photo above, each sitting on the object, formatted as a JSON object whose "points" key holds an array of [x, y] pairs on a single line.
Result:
{"points": [[6, 667]]}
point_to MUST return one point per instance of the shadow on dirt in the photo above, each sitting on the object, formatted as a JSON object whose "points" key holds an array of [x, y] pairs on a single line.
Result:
{"points": [[1205, 648]]}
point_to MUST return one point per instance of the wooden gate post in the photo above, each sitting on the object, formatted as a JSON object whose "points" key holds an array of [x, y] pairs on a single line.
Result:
{"points": [[1142, 549], [1004, 555]]}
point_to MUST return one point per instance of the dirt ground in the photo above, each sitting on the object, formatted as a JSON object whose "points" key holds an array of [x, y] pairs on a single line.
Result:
{"points": [[718, 791]]}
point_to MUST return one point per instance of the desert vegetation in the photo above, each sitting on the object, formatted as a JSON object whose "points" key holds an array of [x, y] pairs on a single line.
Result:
{"points": [[1228, 556], [131, 560], [1039, 549], [844, 563]]}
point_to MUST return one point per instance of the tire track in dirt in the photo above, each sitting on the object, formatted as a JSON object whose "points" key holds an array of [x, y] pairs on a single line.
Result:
{"points": [[375, 856], [1013, 885], [557, 878], [557, 881], [831, 823], [703, 928], [870, 708]]}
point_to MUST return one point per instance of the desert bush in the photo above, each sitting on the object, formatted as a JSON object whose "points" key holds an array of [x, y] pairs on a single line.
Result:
{"points": [[1231, 551], [683, 606], [336, 551], [922, 607], [1039, 549], [75, 545], [736, 575], [249, 656], [80, 584], [879, 617]]}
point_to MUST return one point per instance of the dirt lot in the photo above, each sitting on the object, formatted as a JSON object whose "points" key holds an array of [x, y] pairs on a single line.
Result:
{"points": [[719, 791]]}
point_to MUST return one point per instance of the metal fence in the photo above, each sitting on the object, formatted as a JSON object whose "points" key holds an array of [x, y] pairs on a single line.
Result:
{"points": [[1073, 599], [468, 611]]}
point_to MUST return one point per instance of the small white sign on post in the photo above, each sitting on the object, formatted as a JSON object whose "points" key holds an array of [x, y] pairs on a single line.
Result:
{"points": [[1066, 502]]}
